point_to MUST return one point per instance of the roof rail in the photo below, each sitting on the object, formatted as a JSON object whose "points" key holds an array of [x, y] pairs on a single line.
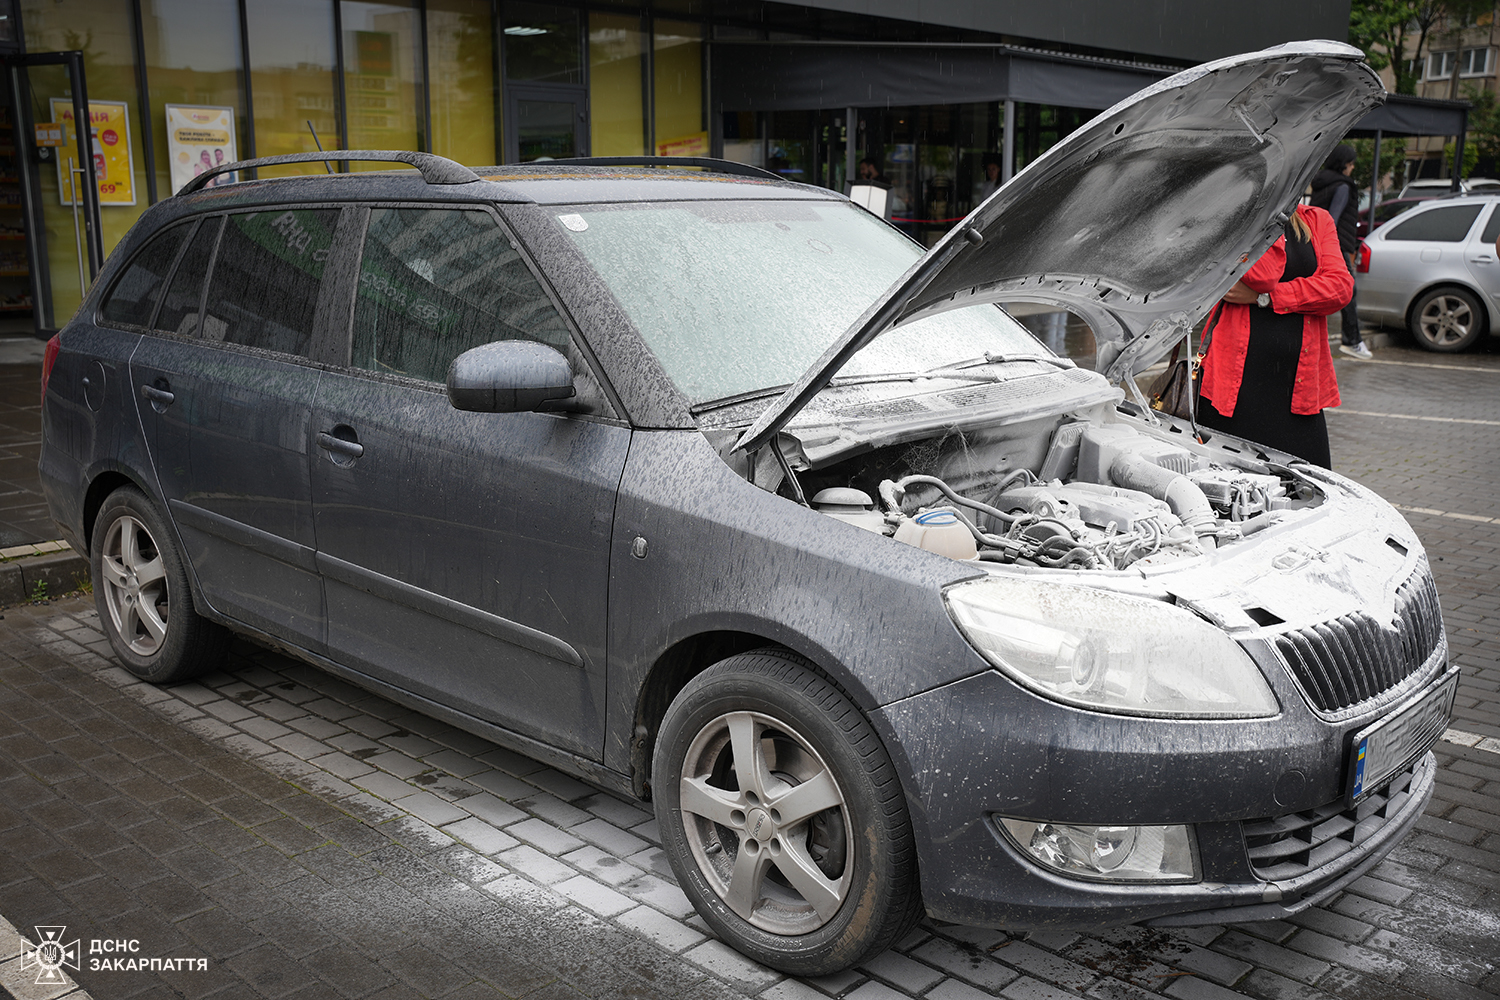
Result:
{"points": [[706, 162], [433, 168]]}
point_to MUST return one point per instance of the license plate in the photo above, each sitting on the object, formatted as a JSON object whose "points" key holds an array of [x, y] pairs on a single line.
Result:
{"points": [[1382, 749]]}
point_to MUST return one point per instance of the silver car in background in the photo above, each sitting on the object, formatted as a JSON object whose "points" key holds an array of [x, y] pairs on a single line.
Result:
{"points": [[1434, 271]]}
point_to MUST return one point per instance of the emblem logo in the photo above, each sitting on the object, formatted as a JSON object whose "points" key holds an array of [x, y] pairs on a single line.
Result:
{"points": [[50, 956]]}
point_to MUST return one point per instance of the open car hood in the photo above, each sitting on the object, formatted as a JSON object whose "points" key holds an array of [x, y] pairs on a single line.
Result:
{"points": [[1139, 220]]}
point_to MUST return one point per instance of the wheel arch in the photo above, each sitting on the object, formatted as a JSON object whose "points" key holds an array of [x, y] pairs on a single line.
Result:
{"points": [[680, 663], [100, 487]]}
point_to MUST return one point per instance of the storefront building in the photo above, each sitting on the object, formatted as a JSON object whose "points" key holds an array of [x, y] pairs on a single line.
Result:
{"points": [[931, 96]]}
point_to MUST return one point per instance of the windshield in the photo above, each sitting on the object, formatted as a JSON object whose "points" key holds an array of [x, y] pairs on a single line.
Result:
{"points": [[732, 297]]}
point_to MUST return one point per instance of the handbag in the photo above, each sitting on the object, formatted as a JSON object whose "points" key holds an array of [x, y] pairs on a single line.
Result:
{"points": [[1175, 390]]}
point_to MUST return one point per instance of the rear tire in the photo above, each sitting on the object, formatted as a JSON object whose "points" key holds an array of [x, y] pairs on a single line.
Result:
{"points": [[808, 865], [141, 591], [1447, 320]]}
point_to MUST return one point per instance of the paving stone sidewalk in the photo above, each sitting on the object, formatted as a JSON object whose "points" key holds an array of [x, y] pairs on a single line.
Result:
{"points": [[311, 840]]}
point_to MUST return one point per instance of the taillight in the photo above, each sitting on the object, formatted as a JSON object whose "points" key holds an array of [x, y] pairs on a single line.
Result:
{"points": [[1363, 264], [48, 357]]}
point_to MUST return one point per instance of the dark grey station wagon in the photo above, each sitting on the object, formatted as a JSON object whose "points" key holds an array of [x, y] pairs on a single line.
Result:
{"points": [[717, 491]]}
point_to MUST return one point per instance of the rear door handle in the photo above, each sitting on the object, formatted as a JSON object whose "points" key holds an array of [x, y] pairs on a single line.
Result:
{"points": [[159, 397], [1483, 258], [353, 449]]}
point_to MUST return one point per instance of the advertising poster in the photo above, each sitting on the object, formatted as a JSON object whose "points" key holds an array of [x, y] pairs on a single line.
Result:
{"points": [[687, 145], [199, 138], [111, 127]]}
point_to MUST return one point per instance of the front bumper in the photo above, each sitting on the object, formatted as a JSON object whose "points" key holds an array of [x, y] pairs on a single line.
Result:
{"points": [[1265, 800]]}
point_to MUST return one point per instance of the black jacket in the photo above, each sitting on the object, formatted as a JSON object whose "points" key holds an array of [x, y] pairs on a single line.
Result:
{"points": [[1324, 184]]}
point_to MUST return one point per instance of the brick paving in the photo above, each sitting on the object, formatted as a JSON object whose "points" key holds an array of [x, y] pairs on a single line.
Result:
{"points": [[308, 839]]}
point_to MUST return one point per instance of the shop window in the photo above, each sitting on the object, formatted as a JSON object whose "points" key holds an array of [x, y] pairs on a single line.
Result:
{"points": [[179, 308], [542, 43], [103, 30], [461, 54], [616, 46], [382, 76], [133, 299], [678, 95], [266, 278], [193, 64], [292, 79], [434, 283]]}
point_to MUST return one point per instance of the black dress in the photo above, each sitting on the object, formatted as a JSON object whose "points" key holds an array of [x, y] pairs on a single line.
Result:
{"points": [[1263, 412]]}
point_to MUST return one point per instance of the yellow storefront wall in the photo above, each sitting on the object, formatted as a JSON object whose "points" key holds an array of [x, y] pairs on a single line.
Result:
{"points": [[617, 124], [678, 57], [461, 54], [292, 79], [109, 70]]}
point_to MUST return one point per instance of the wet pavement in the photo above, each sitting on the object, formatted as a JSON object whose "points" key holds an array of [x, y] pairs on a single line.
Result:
{"points": [[302, 838]]}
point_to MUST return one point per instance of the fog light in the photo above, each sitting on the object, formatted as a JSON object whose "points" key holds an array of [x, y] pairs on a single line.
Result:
{"points": [[1111, 853]]}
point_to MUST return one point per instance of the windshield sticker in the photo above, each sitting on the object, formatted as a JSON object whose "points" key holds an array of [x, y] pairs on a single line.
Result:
{"points": [[576, 223]]}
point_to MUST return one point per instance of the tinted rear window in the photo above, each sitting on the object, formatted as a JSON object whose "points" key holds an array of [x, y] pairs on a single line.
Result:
{"points": [[133, 299], [267, 276], [1492, 227], [179, 309], [1449, 224]]}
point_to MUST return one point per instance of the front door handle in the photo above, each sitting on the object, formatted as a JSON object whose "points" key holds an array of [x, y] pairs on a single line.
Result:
{"points": [[339, 447]]}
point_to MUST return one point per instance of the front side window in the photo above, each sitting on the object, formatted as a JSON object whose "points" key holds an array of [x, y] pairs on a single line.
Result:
{"points": [[435, 282], [267, 275], [133, 299], [1449, 224]]}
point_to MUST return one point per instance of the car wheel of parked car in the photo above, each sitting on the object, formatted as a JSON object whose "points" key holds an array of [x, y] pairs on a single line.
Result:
{"points": [[1447, 320], [141, 590], [782, 816]]}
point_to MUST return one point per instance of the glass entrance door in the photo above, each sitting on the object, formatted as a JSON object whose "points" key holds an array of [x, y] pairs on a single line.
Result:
{"points": [[56, 188], [546, 123]]}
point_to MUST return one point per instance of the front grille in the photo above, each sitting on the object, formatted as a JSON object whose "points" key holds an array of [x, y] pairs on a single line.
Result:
{"points": [[1289, 846], [1354, 658]]}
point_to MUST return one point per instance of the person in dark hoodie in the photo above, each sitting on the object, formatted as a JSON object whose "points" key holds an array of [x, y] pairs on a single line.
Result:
{"points": [[1334, 191]]}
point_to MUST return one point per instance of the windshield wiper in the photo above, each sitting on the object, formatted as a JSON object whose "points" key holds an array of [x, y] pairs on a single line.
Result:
{"points": [[990, 358]]}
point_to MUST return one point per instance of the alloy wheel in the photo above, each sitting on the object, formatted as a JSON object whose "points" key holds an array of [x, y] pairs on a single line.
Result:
{"points": [[767, 823], [1446, 320], [134, 582]]}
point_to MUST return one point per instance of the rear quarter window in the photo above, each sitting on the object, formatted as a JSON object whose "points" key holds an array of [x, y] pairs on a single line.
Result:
{"points": [[133, 298], [1449, 224]]}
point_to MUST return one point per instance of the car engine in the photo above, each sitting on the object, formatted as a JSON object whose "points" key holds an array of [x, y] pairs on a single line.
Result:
{"points": [[1105, 497]]}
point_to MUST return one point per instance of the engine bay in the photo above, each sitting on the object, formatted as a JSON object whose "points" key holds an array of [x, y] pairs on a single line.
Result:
{"points": [[1081, 494]]}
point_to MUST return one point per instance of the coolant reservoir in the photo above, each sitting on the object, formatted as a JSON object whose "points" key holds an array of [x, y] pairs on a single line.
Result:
{"points": [[939, 531], [851, 505]]}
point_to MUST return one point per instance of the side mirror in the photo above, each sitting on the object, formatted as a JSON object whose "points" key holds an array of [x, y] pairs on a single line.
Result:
{"points": [[509, 376]]}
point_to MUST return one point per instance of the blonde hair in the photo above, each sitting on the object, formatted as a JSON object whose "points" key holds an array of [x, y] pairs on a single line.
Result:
{"points": [[1300, 227]]}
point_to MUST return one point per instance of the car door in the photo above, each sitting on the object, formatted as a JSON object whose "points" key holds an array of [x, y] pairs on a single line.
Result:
{"points": [[1480, 256], [465, 555], [225, 393]]}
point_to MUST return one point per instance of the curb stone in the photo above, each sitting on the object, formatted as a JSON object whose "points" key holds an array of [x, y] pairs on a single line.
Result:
{"points": [[53, 564]]}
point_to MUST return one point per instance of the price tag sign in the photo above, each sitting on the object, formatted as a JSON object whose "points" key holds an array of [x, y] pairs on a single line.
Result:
{"points": [[49, 134]]}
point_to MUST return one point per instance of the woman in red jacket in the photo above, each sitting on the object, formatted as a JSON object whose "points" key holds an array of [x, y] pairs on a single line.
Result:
{"points": [[1268, 373]]}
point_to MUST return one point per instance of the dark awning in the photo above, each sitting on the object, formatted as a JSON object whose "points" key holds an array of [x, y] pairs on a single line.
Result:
{"points": [[1403, 114], [809, 76], [816, 76]]}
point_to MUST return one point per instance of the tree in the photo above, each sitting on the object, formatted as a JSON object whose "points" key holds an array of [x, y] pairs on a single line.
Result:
{"points": [[1380, 28], [1392, 159]]}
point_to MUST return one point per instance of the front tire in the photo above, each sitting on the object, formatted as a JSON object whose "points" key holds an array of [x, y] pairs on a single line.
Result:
{"points": [[783, 818], [141, 591], [1447, 320]]}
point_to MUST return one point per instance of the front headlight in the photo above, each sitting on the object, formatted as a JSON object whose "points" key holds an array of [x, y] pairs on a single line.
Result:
{"points": [[1109, 652]]}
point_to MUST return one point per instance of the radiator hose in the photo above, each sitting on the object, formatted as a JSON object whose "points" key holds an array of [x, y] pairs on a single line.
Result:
{"points": [[1180, 493]]}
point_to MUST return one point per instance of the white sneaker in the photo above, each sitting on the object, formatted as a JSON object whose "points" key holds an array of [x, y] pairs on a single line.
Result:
{"points": [[1360, 351]]}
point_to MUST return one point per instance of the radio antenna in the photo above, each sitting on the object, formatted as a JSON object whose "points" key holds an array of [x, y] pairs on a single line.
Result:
{"points": [[326, 165]]}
